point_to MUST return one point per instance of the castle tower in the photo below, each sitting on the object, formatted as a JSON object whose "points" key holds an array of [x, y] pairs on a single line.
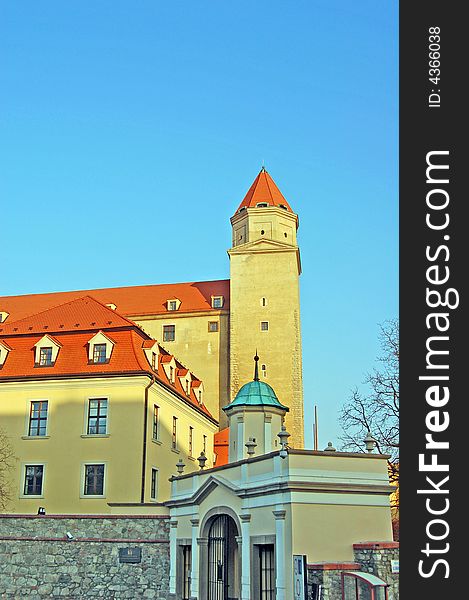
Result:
{"points": [[264, 297]]}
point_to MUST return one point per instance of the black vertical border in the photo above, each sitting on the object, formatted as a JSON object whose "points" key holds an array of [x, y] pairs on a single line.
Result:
{"points": [[424, 129]]}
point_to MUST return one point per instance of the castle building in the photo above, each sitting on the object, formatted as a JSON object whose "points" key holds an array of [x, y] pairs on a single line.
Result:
{"points": [[150, 464], [210, 327]]}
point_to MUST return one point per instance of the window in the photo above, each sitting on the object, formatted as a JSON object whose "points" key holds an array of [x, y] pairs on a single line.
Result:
{"points": [[200, 396], [169, 333], [33, 478], [171, 374], [156, 422], [261, 205], [99, 353], [186, 571], [264, 325], [205, 444], [267, 572], [172, 305], [45, 356], [154, 484], [174, 436], [3, 316], [188, 387], [213, 326], [264, 370], [217, 301], [191, 432], [38, 418], [263, 301], [154, 361], [94, 480], [283, 206], [97, 416]]}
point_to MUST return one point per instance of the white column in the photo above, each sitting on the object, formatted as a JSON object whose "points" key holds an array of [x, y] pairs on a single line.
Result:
{"points": [[195, 559], [245, 558], [280, 556], [173, 524]]}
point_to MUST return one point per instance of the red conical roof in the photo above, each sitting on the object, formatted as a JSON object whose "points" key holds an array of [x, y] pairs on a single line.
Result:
{"points": [[264, 190]]}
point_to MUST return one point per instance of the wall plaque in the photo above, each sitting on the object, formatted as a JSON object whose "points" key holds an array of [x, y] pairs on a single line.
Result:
{"points": [[130, 555]]}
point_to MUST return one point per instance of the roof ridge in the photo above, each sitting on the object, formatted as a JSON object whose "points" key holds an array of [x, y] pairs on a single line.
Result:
{"points": [[117, 287], [41, 312], [268, 187]]}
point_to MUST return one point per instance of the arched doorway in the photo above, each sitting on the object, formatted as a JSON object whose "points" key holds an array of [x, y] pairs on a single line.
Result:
{"points": [[223, 559]]}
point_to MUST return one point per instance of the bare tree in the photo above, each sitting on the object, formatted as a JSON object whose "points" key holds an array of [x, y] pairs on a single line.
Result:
{"points": [[376, 410], [7, 460]]}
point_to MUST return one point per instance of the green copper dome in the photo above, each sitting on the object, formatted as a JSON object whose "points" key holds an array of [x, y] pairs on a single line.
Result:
{"points": [[256, 393]]}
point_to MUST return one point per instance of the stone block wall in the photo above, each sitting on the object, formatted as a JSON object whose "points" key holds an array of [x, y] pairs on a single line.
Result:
{"points": [[329, 576], [375, 557], [37, 558], [370, 557]]}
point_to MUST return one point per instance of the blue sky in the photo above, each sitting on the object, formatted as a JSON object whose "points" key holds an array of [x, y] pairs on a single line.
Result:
{"points": [[130, 132]]}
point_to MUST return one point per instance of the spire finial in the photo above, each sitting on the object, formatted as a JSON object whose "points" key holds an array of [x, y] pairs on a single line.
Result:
{"points": [[256, 368]]}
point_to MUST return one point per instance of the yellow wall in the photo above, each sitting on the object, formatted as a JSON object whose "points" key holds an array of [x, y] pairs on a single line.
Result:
{"points": [[327, 532], [202, 352], [66, 447], [271, 273]]}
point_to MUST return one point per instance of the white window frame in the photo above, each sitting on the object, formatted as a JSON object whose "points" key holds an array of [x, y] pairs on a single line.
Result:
{"points": [[153, 468], [158, 424], [85, 433], [32, 463], [28, 413], [222, 302], [83, 477]]}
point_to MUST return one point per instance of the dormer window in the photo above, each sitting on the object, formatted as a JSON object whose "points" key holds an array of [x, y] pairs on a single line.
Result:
{"points": [[198, 390], [99, 353], [150, 347], [283, 206], [243, 208], [3, 316], [173, 304], [4, 350], [169, 365], [262, 205], [45, 356], [217, 301], [46, 351], [100, 349]]}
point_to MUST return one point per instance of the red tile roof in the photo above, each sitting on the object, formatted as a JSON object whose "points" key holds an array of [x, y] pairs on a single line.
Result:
{"points": [[130, 301], [221, 446], [73, 325], [82, 314], [263, 190]]}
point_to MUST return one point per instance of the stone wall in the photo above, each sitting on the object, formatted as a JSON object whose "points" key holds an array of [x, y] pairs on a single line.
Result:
{"points": [[37, 558], [370, 557], [376, 557], [329, 576]]}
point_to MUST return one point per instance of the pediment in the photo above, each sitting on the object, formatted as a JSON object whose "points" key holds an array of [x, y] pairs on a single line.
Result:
{"points": [[212, 483], [262, 245]]}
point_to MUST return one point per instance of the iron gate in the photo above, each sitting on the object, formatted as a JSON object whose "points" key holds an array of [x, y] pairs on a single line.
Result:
{"points": [[218, 540]]}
